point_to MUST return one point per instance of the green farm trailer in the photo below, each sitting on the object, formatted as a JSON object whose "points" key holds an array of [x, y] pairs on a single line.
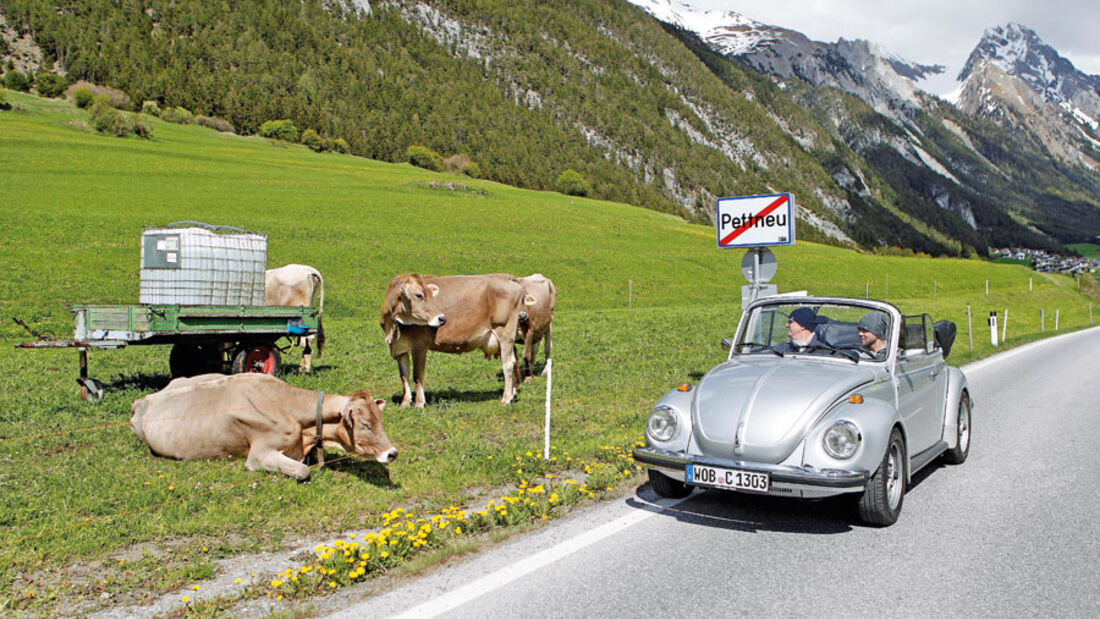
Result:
{"points": [[204, 338]]}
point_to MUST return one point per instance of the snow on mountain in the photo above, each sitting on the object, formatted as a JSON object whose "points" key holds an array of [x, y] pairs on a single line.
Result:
{"points": [[728, 33]]}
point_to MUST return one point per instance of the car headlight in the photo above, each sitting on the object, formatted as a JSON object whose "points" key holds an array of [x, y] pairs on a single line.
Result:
{"points": [[662, 424], [842, 439]]}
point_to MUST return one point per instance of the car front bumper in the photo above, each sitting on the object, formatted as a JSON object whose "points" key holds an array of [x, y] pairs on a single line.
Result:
{"points": [[785, 480]]}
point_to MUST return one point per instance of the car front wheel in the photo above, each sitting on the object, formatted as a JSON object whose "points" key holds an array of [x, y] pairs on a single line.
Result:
{"points": [[881, 502], [667, 487]]}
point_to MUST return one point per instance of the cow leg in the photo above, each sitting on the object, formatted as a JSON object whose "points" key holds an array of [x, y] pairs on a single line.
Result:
{"points": [[403, 369], [265, 458], [307, 356], [546, 350], [508, 363], [529, 346], [420, 362]]}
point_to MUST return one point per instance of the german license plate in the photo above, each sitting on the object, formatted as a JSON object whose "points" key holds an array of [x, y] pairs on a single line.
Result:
{"points": [[726, 478]]}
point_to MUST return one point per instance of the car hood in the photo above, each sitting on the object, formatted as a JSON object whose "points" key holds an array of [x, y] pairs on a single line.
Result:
{"points": [[759, 411]]}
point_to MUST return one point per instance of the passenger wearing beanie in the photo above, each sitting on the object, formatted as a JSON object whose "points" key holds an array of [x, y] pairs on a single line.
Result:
{"points": [[872, 334], [800, 328]]}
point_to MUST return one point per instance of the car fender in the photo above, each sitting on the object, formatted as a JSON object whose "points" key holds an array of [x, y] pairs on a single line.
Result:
{"points": [[679, 402], [875, 420], [956, 386]]}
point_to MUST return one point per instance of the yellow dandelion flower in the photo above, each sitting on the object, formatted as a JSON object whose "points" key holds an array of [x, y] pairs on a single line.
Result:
{"points": [[185, 599], [279, 598], [238, 581], [332, 584], [194, 587], [384, 554], [171, 487], [458, 530], [276, 583]]}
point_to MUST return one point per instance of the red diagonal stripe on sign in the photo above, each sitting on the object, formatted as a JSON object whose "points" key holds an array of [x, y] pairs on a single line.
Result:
{"points": [[745, 226]]}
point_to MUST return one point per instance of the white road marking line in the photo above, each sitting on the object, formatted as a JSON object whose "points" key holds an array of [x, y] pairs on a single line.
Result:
{"points": [[491, 582]]}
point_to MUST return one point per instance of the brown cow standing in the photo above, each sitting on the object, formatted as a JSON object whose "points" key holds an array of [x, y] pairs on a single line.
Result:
{"points": [[295, 285], [539, 306], [257, 416], [482, 313]]}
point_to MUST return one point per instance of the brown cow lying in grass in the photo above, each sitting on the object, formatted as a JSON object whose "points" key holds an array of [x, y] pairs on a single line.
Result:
{"points": [[256, 416]]}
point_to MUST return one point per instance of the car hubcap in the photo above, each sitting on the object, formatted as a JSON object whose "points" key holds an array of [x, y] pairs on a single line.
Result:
{"points": [[964, 428], [260, 360], [894, 482]]}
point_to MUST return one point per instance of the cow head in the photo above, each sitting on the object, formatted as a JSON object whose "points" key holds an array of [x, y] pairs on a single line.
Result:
{"points": [[410, 301], [361, 430]]}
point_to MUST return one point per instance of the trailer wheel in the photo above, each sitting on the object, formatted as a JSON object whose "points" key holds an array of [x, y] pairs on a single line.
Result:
{"points": [[192, 360], [260, 358]]}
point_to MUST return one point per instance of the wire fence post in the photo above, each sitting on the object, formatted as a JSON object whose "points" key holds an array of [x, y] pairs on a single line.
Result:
{"points": [[1057, 312], [867, 291], [546, 432], [969, 329], [987, 287]]}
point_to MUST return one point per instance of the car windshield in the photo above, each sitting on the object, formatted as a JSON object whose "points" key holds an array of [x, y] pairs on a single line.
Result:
{"points": [[852, 331]]}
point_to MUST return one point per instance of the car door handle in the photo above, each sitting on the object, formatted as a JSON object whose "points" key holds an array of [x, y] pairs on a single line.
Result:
{"points": [[933, 374]]}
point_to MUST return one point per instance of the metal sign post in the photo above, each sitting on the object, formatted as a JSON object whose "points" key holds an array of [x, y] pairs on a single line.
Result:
{"points": [[758, 265]]}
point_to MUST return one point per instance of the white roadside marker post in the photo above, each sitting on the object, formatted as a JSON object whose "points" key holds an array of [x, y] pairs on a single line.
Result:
{"points": [[993, 328], [1004, 327]]}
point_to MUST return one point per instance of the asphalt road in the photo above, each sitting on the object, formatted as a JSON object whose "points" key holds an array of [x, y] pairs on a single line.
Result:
{"points": [[1013, 532]]}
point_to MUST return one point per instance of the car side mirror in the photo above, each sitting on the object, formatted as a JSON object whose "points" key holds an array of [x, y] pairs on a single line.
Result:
{"points": [[727, 343]]}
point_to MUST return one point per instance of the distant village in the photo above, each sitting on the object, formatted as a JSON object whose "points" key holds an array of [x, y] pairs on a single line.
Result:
{"points": [[1046, 262]]}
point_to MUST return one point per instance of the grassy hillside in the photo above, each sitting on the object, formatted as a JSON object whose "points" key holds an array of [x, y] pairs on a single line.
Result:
{"points": [[1088, 250], [79, 493], [528, 90]]}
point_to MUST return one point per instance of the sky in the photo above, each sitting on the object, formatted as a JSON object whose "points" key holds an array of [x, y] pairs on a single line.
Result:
{"points": [[932, 31]]}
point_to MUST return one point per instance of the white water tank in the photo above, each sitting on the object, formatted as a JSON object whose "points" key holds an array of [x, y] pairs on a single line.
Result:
{"points": [[202, 265]]}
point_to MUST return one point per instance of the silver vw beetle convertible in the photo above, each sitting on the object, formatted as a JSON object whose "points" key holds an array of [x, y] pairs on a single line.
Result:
{"points": [[818, 397]]}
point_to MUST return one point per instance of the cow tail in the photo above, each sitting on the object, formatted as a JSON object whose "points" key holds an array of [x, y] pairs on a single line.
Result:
{"points": [[320, 309]]}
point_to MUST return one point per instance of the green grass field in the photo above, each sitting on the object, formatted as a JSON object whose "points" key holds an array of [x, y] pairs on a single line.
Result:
{"points": [[1088, 250], [643, 300]]}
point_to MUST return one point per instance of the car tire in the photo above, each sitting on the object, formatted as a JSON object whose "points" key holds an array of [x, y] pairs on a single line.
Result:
{"points": [[958, 454], [667, 487], [880, 504]]}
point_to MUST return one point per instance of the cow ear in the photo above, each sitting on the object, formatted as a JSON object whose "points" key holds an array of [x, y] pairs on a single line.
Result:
{"points": [[434, 289], [530, 300], [345, 416], [380, 402]]}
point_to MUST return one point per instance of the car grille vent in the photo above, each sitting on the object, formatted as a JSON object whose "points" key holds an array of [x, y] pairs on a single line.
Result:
{"points": [[777, 490]]}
